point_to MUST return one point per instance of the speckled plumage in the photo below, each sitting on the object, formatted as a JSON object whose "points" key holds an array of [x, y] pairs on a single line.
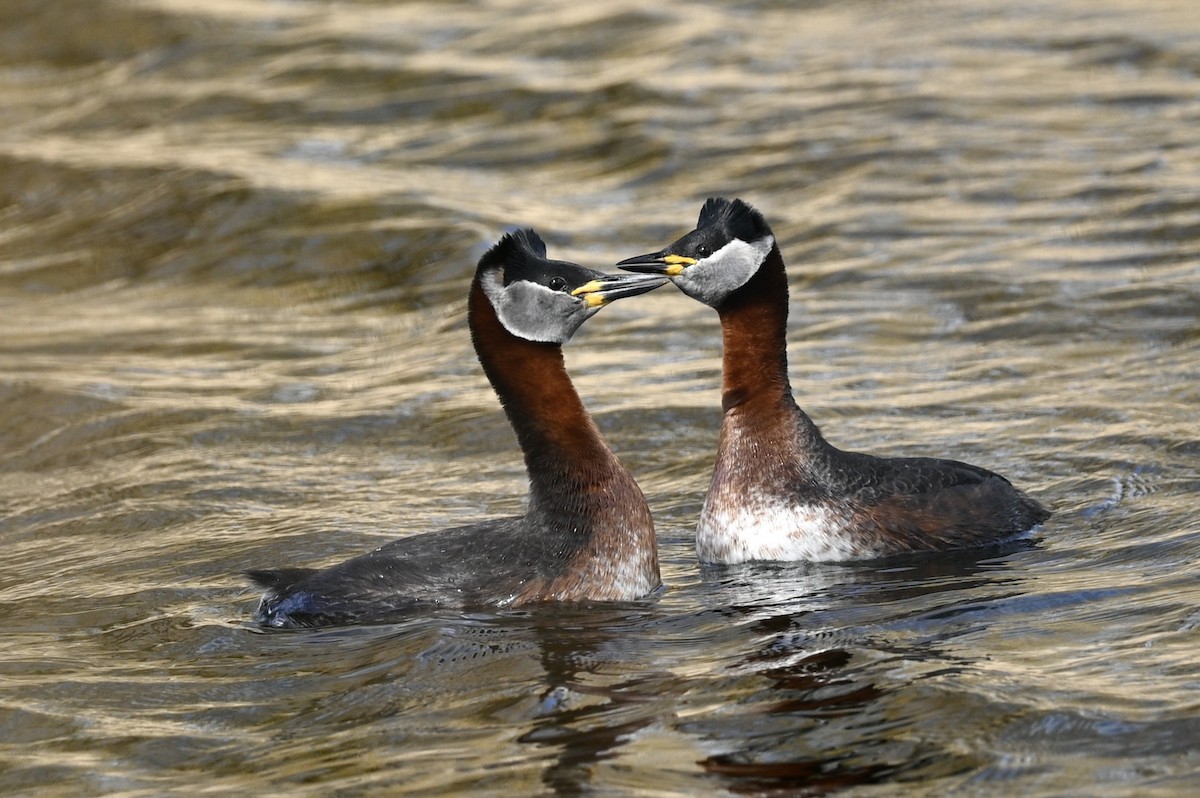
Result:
{"points": [[779, 490], [587, 535]]}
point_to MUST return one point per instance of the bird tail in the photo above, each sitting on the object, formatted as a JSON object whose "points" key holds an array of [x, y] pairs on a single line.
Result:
{"points": [[279, 580]]}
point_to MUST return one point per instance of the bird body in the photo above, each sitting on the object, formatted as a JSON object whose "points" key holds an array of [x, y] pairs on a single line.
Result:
{"points": [[587, 534], [780, 490]]}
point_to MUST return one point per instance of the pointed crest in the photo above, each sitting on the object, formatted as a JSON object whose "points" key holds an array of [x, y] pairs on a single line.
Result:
{"points": [[528, 241], [739, 218], [714, 208], [514, 251]]}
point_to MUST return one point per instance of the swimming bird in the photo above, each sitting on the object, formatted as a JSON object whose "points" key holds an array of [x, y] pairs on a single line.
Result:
{"points": [[587, 534], [779, 490]]}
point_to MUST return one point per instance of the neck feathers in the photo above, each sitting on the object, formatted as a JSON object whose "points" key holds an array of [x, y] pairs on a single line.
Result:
{"points": [[756, 393], [583, 505], [565, 456], [754, 328]]}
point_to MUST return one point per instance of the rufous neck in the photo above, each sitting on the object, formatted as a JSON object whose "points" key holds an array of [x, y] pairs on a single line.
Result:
{"points": [[564, 451], [754, 329]]}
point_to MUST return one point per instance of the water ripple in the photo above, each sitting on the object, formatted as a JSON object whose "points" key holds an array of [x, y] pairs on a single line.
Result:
{"points": [[235, 240]]}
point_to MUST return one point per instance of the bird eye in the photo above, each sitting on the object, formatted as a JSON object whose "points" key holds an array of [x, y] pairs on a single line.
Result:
{"points": [[558, 284], [703, 251]]}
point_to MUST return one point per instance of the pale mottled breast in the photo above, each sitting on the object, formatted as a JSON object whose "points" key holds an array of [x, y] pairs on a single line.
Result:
{"points": [[767, 528]]}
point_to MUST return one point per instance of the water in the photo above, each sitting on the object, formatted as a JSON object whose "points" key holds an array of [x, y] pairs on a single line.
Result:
{"points": [[235, 241]]}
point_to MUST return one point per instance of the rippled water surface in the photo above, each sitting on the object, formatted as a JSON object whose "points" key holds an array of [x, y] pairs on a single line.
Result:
{"points": [[235, 240]]}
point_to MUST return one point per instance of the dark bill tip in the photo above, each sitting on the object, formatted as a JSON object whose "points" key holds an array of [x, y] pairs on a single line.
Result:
{"points": [[645, 264]]}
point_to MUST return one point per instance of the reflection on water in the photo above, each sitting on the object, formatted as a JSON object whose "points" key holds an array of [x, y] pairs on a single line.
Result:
{"points": [[235, 241]]}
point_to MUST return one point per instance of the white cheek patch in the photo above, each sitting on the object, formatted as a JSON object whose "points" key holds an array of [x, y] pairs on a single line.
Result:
{"points": [[724, 271], [534, 312]]}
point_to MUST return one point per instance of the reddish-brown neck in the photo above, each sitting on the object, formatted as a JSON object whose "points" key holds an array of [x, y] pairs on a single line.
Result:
{"points": [[754, 329], [565, 455], [764, 429]]}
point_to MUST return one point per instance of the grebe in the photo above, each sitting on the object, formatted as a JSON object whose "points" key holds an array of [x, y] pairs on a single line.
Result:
{"points": [[779, 490], [587, 535]]}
